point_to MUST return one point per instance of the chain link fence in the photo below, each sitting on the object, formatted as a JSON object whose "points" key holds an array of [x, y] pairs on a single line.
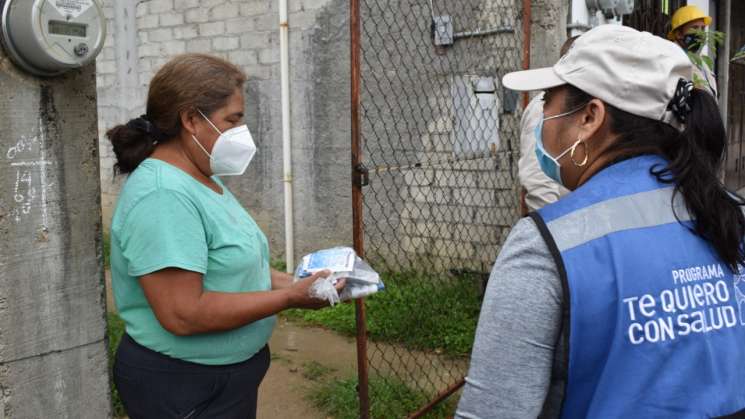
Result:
{"points": [[439, 150]]}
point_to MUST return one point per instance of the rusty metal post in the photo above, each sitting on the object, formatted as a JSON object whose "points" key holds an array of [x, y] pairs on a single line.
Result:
{"points": [[362, 376], [357, 227], [356, 76], [527, 16], [440, 397]]}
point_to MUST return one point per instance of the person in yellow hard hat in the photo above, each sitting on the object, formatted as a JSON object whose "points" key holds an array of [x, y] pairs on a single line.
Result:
{"points": [[685, 22]]}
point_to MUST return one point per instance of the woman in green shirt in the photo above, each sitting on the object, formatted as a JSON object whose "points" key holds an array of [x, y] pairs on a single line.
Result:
{"points": [[190, 267]]}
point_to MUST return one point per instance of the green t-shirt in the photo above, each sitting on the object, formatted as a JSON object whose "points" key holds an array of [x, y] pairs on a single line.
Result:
{"points": [[164, 218]]}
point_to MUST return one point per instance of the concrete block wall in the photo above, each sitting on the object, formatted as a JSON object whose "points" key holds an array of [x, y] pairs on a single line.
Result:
{"points": [[53, 357], [146, 34]]}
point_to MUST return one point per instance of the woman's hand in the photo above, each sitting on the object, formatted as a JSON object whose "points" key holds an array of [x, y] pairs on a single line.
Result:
{"points": [[299, 292]]}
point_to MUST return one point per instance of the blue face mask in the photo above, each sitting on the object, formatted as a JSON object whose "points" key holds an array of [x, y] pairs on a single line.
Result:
{"points": [[550, 165]]}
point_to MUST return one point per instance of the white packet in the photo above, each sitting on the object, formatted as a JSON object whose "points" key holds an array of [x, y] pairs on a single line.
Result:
{"points": [[361, 279]]}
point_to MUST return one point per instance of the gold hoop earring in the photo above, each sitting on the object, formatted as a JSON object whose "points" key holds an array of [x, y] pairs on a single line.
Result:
{"points": [[574, 148]]}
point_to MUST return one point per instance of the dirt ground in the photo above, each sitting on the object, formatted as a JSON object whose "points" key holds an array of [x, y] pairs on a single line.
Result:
{"points": [[282, 394]]}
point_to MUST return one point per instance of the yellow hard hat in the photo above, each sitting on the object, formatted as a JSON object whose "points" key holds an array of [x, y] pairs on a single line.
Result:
{"points": [[684, 15]]}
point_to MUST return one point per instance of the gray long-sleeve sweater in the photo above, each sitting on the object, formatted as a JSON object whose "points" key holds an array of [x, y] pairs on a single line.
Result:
{"points": [[518, 365]]}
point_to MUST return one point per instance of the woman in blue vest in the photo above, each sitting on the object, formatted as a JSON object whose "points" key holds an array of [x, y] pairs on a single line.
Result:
{"points": [[190, 267], [625, 298]]}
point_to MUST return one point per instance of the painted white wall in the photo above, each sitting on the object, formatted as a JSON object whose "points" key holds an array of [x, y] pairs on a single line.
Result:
{"points": [[702, 4]]}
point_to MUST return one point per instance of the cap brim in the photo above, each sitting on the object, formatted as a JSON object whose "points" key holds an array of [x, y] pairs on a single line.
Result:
{"points": [[527, 80]]}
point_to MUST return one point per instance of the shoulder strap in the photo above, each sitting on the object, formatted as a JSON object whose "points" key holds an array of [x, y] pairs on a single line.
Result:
{"points": [[565, 312]]}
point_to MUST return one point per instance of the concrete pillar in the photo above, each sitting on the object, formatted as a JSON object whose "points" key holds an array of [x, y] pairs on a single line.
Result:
{"points": [[548, 31], [53, 360]]}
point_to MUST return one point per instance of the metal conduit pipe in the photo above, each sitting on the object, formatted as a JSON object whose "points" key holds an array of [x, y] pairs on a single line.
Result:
{"points": [[286, 139]]}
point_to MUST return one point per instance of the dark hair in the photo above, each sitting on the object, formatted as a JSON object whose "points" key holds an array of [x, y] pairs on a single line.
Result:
{"points": [[567, 45], [186, 83], [695, 158]]}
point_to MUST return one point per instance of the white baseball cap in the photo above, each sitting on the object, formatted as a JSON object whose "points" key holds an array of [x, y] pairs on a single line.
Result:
{"points": [[634, 71]]}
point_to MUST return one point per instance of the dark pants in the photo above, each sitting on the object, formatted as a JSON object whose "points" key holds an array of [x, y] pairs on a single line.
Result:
{"points": [[153, 385]]}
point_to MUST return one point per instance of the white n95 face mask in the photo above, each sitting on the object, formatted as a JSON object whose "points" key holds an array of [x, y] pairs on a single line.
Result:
{"points": [[232, 151]]}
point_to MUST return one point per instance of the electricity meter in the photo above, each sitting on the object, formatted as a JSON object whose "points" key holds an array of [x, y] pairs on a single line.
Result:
{"points": [[49, 37], [612, 8]]}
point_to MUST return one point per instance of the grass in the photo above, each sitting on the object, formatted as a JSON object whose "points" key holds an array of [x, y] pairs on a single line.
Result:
{"points": [[389, 397], [114, 330], [106, 250], [278, 265], [316, 371], [436, 313]]}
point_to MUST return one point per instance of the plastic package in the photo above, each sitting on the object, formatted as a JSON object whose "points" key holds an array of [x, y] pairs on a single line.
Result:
{"points": [[343, 262]]}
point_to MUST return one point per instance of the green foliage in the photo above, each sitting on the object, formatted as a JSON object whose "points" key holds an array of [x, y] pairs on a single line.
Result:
{"points": [[114, 331], [739, 56], [316, 371], [339, 318], [419, 311], [278, 265], [390, 399], [711, 39], [106, 250]]}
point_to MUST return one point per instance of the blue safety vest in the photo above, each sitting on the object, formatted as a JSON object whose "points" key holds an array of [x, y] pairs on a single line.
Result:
{"points": [[656, 321]]}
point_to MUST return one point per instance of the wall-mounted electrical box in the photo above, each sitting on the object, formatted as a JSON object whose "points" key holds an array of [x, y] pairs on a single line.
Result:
{"points": [[442, 29], [49, 37], [476, 107], [612, 8], [587, 14]]}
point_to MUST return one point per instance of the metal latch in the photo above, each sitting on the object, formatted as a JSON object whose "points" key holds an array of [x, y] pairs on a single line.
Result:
{"points": [[442, 30], [361, 175]]}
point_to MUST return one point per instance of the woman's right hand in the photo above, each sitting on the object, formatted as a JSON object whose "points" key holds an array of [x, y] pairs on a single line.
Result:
{"points": [[299, 292]]}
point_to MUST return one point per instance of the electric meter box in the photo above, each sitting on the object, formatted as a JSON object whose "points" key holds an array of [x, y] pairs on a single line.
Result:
{"points": [[49, 37]]}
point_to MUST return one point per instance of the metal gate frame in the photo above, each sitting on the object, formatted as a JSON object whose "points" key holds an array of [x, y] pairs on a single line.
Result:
{"points": [[359, 180]]}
